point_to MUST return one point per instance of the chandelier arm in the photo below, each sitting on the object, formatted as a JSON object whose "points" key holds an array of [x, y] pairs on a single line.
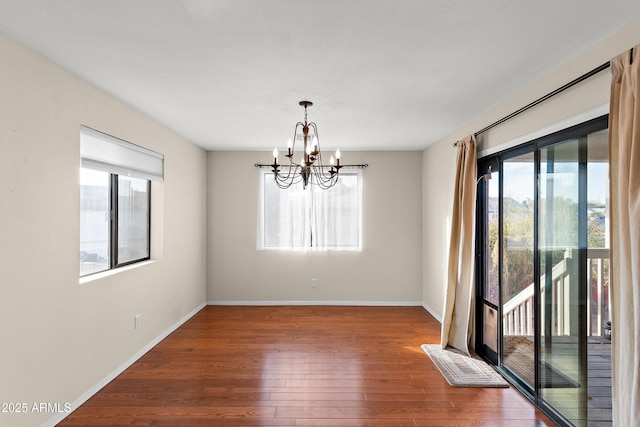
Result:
{"points": [[290, 179], [325, 184], [292, 169], [295, 134], [323, 178], [319, 177], [324, 172], [316, 137]]}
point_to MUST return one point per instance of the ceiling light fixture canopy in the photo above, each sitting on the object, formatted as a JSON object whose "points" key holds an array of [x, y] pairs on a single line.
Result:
{"points": [[310, 169]]}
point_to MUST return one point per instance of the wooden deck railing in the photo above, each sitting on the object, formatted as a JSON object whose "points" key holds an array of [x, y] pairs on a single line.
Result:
{"points": [[517, 318]]}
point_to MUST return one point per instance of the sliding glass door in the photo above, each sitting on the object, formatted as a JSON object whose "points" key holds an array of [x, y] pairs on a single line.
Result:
{"points": [[487, 246], [562, 249], [517, 273], [535, 217]]}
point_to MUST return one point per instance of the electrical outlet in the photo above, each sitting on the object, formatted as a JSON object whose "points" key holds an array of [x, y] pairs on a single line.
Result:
{"points": [[314, 283], [136, 321]]}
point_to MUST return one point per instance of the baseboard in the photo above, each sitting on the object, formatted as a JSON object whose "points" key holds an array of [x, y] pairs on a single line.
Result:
{"points": [[337, 303], [93, 390], [432, 312]]}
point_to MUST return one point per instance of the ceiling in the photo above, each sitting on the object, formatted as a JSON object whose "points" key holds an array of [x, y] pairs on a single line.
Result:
{"points": [[382, 74]]}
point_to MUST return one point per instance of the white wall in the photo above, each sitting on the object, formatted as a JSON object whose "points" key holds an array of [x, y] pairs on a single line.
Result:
{"points": [[58, 337], [572, 106], [387, 271], [438, 173]]}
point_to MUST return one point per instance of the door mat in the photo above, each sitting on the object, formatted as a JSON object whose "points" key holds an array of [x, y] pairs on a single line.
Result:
{"points": [[461, 370]]}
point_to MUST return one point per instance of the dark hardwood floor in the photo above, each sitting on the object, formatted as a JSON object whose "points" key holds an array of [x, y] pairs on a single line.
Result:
{"points": [[299, 366]]}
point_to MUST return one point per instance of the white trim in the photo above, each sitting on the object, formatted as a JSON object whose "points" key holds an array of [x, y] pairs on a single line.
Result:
{"points": [[93, 390], [337, 303], [432, 312], [555, 127], [101, 275]]}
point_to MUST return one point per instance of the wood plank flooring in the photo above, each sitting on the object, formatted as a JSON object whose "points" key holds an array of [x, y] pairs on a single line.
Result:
{"points": [[299, 366], [599, 366]]}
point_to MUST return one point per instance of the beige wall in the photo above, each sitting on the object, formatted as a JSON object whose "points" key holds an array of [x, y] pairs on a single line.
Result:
{"points": [[387, 271], [60, 338], [577, 104], [438, 168]]}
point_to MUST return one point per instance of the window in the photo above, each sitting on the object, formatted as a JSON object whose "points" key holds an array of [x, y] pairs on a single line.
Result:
{"points": [[115, 201], [312, 218]]}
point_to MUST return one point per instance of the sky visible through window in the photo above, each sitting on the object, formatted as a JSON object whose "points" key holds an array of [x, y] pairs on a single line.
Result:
{"points": [[522, 183]]}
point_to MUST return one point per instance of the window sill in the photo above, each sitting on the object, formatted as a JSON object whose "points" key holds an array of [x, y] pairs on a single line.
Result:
{"points": [[114, 271]]}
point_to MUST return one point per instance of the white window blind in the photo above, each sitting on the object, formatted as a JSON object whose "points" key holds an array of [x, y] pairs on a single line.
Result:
{"points": [[311, 219], [106, 153]]}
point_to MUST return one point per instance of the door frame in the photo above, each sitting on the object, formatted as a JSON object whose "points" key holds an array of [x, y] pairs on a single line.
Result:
{"points": [[496, 160]]}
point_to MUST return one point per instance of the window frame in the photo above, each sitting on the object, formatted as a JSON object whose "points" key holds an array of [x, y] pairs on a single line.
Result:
{"points": [[113, 227], [266, 175], [117, 160], [115, 222]]}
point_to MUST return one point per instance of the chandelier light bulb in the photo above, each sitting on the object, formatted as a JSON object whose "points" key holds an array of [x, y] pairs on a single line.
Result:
{"points": [[338, 154], [275, 153], [331, 160]]}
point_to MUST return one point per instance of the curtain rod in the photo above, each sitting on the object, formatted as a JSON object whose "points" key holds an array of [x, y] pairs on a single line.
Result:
{"points": [[544, 98]]}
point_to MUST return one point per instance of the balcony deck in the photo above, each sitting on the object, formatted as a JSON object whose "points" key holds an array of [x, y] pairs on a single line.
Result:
{"points": [[599, 377], [518, 328], [560, 388]]}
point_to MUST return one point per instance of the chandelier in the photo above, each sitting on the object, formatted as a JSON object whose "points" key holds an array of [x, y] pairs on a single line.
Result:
{"points": [[310, 169]]}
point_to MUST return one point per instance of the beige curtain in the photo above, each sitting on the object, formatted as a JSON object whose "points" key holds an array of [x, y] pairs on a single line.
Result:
{"points": [[624, 151], [458, 303]]}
